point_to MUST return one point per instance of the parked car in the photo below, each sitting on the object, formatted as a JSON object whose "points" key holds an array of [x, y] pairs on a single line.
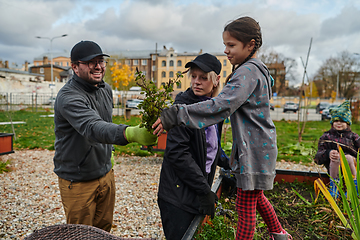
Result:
{"points": [[291, 106], [133, 103], [321, 106], [325, 113], [51, 101]]}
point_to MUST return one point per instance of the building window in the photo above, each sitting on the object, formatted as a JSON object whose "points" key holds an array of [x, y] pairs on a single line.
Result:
{"points": [[57, 63], [135, 62], [144, 73], [224, 73], [171, 64], [163, 74], [153, 57], [179, 63], [41, 70], [153, 68], [163, 63], [127, 61], [163, 84], [224, 63], [67, 64], [144, 62], [178, 85], [171, 74]]}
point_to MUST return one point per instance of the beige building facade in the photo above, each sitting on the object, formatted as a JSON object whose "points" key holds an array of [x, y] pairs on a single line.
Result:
{"points": [[162, 65]]}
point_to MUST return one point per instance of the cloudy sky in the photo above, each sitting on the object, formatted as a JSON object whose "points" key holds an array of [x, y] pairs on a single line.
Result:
{"points": [[185, 25]]}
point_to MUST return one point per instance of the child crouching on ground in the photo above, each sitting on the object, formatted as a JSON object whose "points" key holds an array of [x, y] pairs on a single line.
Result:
{"points": [[339, 134]]}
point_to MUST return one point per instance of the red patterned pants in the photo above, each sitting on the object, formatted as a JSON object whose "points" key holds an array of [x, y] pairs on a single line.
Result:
{"points": [[247, 202]]}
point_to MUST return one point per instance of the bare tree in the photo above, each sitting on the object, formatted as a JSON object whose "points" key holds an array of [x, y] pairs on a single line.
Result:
{"points": [[270, 57], [339, 74]]}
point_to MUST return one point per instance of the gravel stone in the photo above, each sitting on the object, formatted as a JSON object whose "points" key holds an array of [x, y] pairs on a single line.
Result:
{"points": [[30, 197]]}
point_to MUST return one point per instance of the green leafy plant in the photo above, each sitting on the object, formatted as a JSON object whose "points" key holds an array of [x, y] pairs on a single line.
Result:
{"points": [[4, 166], [217, 228], [349, 196], [227, 147], [156, 99], [298, 149]]}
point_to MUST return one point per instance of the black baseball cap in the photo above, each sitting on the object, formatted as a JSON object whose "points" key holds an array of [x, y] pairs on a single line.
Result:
{"points": [[206, 62], [85, 51]]}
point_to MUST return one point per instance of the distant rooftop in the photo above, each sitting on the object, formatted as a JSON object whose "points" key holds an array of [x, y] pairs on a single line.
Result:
{"points": [[20, 72]]}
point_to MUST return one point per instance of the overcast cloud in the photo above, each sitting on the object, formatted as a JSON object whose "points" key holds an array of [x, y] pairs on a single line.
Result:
{"points": [[287, 26]]}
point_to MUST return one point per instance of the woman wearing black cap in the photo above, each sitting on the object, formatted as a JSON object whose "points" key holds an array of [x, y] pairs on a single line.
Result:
{"points": [[191, 156]]}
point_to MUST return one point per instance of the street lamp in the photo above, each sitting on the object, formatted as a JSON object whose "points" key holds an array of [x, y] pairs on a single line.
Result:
{"points": [[51, 60], [51, 39]]}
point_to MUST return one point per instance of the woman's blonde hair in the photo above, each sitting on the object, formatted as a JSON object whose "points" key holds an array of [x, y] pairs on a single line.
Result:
{"points": [[212, 76]]}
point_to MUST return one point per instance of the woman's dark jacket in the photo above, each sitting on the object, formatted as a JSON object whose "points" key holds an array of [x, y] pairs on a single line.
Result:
{"points": [[183, 176], [346, 139]]}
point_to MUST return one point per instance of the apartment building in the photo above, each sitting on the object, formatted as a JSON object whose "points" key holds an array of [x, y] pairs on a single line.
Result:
{"points": [[162, 65], [278, 72], [60, 73]]}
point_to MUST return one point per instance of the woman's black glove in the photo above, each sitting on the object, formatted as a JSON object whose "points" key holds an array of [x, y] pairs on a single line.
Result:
{"points": [[207, 204]]}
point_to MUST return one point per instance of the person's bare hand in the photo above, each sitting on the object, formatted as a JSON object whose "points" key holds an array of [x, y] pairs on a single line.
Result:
{"points": [[159, 129], [334, 155]]}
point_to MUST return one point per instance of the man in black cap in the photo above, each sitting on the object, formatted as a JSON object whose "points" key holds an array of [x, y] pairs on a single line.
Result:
{"points": [[84, 136], [191, 156]]}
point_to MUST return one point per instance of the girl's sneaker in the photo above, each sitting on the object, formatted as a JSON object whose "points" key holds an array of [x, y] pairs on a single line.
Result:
{"points": [[284, 235]]}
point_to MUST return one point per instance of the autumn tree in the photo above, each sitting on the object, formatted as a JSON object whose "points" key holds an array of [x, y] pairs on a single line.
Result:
{"points": [[122, 76], [339, 74], [311, 90]]}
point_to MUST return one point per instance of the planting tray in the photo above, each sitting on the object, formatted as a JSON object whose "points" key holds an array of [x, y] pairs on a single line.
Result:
{"points": [[299, 176], [6, 143]]}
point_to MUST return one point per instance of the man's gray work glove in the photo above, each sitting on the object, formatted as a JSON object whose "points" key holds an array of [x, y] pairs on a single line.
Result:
{"points": [[140, 135], [207, 204]]}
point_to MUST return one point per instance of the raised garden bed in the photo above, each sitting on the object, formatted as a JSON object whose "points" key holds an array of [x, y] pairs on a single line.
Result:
{"points": [[6, 143]]}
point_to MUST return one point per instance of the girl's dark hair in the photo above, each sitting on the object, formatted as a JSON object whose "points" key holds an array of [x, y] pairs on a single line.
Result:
{"points": [[244, 29]]}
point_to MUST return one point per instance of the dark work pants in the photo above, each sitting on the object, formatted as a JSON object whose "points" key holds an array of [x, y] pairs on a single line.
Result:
{"points": [[175, 221]]}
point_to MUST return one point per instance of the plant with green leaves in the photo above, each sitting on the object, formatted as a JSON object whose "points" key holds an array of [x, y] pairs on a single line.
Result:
{"points": [[298, 149], [217, 228], [348, 194], [4, 166], [156, 99]]}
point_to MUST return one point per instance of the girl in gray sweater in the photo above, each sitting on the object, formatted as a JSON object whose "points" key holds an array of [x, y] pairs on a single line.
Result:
{"points": [[245, 99]]}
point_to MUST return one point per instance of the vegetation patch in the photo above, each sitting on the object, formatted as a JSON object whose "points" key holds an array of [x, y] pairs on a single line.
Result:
{"points": [[299, 215]]}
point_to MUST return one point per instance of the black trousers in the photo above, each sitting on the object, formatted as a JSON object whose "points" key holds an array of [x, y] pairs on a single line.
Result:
{"points": [[175, 221]]}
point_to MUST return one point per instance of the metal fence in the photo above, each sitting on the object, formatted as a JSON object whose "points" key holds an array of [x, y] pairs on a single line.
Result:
{"points": [[33, 101], [17, 101]]}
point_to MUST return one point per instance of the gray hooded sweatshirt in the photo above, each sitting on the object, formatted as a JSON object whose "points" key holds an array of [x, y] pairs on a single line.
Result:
{"points": [[84, 132], [245, 99]]}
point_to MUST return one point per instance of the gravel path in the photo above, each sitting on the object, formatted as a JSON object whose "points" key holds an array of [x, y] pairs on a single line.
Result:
{"points": [[30, 197]]}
